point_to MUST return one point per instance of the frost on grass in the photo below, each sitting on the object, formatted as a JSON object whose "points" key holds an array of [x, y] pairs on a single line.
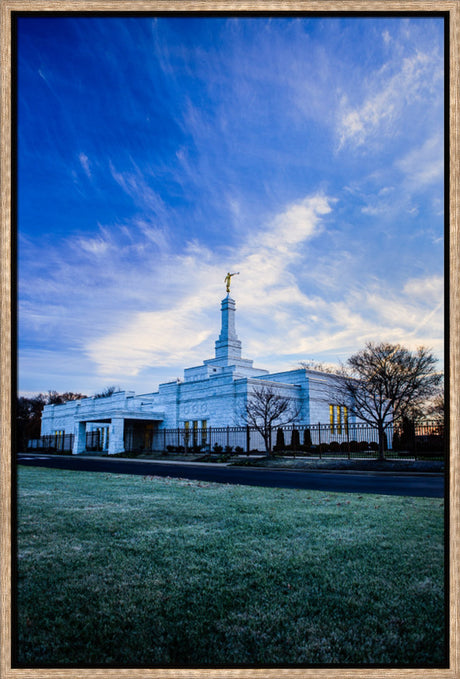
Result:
{"points": [[172, 571]]}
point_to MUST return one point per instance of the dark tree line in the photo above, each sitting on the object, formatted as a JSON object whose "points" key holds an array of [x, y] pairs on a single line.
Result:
{"points": [[29, 412]]}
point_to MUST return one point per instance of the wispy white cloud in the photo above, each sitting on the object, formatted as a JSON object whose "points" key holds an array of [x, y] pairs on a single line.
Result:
{"points": [[386, 37], [337, 329], [134, 182], [424, 165], [84, 162], [429, 289], [213, 163], [391, 92], [275, 316], [134, 316], [175, 333]]}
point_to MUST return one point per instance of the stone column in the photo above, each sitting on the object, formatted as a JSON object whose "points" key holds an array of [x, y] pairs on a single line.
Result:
{"points": [[79, 444], [103, 438], [116, 437]]}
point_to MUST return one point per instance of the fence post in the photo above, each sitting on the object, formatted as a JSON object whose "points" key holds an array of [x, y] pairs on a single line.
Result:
{"points": [[319, 439], [248, 440]]}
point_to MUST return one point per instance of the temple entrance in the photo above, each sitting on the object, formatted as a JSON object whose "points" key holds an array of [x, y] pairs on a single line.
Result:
{"points": [[97, 440], [138, 435]]}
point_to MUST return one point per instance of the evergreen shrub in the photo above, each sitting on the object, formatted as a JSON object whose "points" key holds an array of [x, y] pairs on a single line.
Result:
{"points": [[295, 440], [307, 444], [280, 445]]}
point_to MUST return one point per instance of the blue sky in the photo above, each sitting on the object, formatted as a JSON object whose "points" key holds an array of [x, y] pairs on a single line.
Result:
{"points": [[155, 154]]}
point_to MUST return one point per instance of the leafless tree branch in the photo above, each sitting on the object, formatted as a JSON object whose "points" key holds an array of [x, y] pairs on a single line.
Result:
{"points": [[267, 408]]}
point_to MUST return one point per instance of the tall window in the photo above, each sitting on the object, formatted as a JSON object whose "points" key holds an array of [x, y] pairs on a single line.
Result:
{"points": [[338, 418], [195, 432], [204, 432]]}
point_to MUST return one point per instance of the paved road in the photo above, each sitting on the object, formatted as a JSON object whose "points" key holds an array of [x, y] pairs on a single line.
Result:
{"points": [[421, 485]]}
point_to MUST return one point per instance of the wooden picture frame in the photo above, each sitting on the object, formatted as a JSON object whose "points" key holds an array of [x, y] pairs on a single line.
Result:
{"points": [[8, 8]]}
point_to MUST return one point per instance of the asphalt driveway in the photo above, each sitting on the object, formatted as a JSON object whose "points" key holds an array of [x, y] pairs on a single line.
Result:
{"points": [[422, 485]]}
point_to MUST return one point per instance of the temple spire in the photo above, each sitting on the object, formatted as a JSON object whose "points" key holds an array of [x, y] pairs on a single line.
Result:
{"points": [[228, 346]]}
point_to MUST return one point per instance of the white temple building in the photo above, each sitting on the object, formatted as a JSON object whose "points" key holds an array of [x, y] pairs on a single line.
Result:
{"points": [[213, 394]]}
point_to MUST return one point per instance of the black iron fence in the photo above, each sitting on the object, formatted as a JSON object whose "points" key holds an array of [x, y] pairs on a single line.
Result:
{"points": [[63, 443], [352, 440], [319, 440], [52, 443]]}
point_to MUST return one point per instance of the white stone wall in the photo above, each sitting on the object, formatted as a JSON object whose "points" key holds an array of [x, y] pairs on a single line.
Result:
{"points": [[63, 417], [321, 390], [298, 390], [58, 418], [220, 400], [211, 400], [293, 391]]}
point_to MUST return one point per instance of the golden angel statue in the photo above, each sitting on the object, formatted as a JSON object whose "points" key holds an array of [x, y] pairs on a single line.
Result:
{"points": [[228, 279]]}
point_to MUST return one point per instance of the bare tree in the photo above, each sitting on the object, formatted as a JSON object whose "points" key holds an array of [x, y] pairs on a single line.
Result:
{"points": [[435, 408], [386, 382], [265, 409], [56, 398], [108, 391], [318, 366]]}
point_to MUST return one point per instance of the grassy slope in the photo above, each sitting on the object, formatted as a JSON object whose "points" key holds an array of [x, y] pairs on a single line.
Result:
{"points": [[147, 571]]}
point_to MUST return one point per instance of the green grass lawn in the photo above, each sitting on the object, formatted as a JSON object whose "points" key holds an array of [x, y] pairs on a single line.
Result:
{"points": [[130, 570]]}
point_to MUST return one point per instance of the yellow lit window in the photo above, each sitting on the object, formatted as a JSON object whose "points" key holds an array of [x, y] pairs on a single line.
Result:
{"points": [[339, 419], [331, 417]]}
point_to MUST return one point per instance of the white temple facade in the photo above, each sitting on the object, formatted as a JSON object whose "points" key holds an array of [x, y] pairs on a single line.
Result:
{"points": [[213, 394]]}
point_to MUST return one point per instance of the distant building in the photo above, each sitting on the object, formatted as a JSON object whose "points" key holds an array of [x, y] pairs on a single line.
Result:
{"points": [[213, 394]]}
